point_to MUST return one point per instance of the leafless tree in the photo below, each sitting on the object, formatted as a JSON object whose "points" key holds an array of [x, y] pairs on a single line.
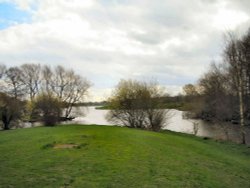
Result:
{"points": [[237, 53], [14, 82], [61, 80], [217, 94], [216, 100], [76, 92], [47, 81], [67, 86], [53, 86], [190, 90], [32, 78], [125, 104], [137, 104]]}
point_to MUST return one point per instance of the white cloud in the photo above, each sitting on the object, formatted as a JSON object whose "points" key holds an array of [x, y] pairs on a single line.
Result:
{"points": [[173, 90], [229, 19]]}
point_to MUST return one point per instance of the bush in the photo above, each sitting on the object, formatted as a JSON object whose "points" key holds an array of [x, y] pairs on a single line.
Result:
{"points": [[138, 105], [48, 108], [11, 110]]}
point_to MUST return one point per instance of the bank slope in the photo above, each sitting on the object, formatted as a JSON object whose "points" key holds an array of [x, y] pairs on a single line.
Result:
{"points": [[118, 157]]}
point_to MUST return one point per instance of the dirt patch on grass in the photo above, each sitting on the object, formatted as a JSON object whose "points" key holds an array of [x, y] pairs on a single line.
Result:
{"points": [[58, 145], [65, 146]]}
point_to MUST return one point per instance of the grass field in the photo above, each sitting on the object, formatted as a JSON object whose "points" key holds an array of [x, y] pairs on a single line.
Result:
{"points": [[118, 157]]}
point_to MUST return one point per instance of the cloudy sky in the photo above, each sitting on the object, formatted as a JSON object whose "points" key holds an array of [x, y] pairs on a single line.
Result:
{"points": [[172, 41]]}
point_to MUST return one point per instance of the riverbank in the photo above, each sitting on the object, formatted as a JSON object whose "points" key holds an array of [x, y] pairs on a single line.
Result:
{"points": [[104, 156], [176, 122]]}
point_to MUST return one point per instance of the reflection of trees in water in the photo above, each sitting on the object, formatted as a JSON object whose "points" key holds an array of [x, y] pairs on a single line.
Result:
{"points": [[80, 111], [225, 129], [168, 116], [195, 123], [216, 129], [221, 129]]}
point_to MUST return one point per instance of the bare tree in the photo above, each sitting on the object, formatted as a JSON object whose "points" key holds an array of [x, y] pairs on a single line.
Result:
{"points": [[126, 104], [14, 81], [236, 55], [31, 78], [156, 116], [190, 90], [61, 80], [217, 94], [47, 81], [216, 100], [137, 104], [67, 86], [75, 92], [226, 86]]}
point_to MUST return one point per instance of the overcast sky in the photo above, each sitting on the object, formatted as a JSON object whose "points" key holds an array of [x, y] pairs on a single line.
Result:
{"points": [[108, 40]]}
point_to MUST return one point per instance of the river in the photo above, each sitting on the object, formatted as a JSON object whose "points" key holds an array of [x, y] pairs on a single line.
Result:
{"points": [[176, 123]]}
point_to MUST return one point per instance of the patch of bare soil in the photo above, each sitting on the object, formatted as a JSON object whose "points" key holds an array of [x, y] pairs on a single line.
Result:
{"points": [[65, 146]]}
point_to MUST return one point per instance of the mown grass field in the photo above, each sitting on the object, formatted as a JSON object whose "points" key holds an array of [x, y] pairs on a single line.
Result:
{"points": [[118, 157]]}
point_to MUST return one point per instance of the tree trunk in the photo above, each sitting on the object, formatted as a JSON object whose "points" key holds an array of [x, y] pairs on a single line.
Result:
{"points": [[6, 123], [241, 106], [6, 126]]}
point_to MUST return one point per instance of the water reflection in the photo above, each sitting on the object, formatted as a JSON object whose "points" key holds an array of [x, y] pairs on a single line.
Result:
{"points": [[175, 123], [91, 116]]}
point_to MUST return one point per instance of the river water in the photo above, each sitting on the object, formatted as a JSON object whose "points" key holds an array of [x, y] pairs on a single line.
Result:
{"points": [[176, 123]]}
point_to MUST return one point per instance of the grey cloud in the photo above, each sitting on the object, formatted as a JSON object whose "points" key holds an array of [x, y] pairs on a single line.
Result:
{"points": [[149, 37], [242, 5]]}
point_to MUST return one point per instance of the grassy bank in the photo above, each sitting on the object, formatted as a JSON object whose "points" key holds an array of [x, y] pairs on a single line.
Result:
{"points": [[118, 157]]}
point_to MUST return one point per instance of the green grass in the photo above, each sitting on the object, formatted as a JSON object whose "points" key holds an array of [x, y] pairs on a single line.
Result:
{"points": [[118, 157]]}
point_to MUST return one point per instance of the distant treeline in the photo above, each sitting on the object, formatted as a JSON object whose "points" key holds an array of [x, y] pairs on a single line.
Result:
{"points": [[102, 103], [180, 102]]}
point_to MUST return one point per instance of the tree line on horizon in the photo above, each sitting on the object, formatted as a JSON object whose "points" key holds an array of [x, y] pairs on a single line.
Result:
{"points": [[32, 92]]}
